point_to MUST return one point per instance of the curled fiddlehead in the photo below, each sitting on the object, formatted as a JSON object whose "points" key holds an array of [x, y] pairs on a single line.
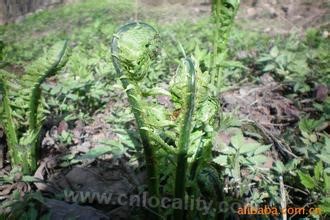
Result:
{"points": [[133, 48]]}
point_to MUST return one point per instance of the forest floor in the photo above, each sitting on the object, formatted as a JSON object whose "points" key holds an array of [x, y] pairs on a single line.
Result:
{"points": [[272, 17], [280, 98]]}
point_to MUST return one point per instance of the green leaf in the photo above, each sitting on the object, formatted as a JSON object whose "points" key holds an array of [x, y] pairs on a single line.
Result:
{"points": [[309, 125], [32, 213], [222, 160], [259, 159], [236, 171], [279, 166], [326, 182], [306, 180], [269, 67], [264, 59], [159, 91], [325, 205], [327, 145], [324, 158], [69, 163], [67, 157], [113, 147], [327, 170], [274, 52], [318, 169], [96, 152], [248, 148], [231, 64], [229, 150], [262, 149], [237, 141]]}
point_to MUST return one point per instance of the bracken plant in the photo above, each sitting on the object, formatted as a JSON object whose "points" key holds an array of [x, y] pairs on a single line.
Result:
{"points": [[22, 106], [184, 134]]}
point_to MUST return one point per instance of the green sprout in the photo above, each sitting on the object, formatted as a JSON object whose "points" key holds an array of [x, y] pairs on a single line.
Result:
{"points": [[185, 133], [223, 14], [184, 138], [21, 110], [133, 47]]}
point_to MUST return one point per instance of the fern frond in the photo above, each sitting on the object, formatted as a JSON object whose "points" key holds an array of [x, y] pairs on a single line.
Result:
{"points": [[7, 118], [21, 101], [38, 72], [47, 65]]}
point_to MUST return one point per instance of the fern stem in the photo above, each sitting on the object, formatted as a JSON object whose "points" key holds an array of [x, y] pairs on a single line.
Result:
{"points": [[180, 177], [34, 104], [149, 152], [216, 6], [196, 161], [223, 14]]}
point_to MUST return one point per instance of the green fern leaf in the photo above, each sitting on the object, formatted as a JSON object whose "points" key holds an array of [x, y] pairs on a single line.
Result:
{"points": [[38, 72], [21, 105], [6, 112]]}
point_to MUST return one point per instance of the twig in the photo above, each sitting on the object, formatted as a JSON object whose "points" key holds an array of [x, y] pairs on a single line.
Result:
{"points": [[271, 138], [307, 204], [283, 198], [287, 186]]}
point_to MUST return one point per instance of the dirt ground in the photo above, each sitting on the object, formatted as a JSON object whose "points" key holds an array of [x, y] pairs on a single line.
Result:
{"points": [[283, 16], [270, 16]]}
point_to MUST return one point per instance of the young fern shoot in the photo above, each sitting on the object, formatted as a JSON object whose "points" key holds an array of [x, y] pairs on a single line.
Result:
{"points": [[133, 48], [184, 139], [223, 15], [21, 111]]}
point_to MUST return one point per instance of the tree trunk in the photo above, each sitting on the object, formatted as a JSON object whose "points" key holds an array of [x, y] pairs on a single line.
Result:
{"points": [[10, 10]]}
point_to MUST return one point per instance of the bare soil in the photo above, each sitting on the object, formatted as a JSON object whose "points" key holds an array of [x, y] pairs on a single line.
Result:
{"points": [[270, 16]]}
